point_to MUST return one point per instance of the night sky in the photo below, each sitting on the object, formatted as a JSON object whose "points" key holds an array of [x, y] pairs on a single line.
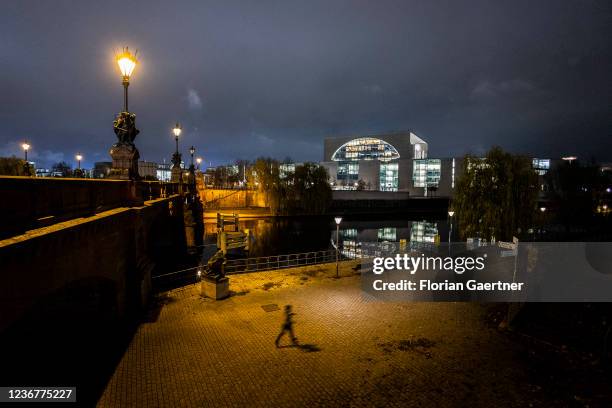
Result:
{"points": [[255, 78]]}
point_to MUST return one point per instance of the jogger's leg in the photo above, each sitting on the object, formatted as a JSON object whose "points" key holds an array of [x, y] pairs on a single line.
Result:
{"points": [[279, 337], [294, 339]]}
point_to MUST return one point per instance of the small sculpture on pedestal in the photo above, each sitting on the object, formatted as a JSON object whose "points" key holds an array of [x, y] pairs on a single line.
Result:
{"points": [[124, 153], [215, 267], [215, 284]]}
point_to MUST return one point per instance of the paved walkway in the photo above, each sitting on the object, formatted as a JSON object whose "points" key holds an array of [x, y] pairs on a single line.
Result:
{"points": [[196, 352]]}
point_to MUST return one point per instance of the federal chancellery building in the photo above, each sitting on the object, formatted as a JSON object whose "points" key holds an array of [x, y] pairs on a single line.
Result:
{"points": [[388, 162]]}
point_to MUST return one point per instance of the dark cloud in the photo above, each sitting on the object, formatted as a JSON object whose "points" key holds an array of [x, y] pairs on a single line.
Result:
{"points": [[276, 77]]}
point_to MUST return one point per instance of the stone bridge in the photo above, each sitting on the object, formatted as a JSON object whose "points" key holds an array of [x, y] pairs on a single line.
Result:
{"points": [[80, 250]]}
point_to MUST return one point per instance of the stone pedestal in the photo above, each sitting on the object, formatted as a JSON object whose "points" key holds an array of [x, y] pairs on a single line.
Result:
{"points": [[125, 162], [215, 289]]}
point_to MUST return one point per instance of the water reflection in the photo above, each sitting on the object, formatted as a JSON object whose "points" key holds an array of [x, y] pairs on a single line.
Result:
{"points": [[357, 236], [356, 243]]}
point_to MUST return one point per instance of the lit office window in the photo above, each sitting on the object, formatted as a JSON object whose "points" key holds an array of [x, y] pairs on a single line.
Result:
{"points": [[423, 231], [426, 172], [365, 148], [348, 171], [286, 169], [419, 151], [387, 234], [389, 179], [541, 166], [349, 233]]}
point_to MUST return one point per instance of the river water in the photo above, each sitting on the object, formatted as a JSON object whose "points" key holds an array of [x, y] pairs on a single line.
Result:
{"points": [[287, 235]]}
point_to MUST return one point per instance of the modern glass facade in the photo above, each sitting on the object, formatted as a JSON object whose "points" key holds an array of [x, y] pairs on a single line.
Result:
{"points": [[348, 171], [420, 152], [426, 172], [389, 176], [423, 232], [348, 233], [365, 148], [387, 234]]}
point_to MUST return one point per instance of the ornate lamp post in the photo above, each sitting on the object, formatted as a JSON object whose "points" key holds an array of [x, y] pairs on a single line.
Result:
{"points": [[78, 158], [192, 151], [338, 221], [124, 153], [177, 132], [25, 146], [176, 157], [127, 62]]}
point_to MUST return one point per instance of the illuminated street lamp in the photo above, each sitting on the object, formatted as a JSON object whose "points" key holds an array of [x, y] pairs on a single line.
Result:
{"points": [[79, 157], [127, 62], [25, 146], [176, 158], [199, 161], [542, 209], [124, 153], [177, 132], [338, 221], [569, 159]]}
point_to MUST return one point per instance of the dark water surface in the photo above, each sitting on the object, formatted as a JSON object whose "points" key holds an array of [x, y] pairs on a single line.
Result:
{"points": [[286, 235]]}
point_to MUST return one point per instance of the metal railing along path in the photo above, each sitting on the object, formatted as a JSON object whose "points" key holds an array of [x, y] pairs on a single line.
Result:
{"points": [[267, 263], [247, 265]]}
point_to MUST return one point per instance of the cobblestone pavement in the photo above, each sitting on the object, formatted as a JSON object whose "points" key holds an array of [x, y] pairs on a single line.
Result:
{"points": [[359, 352]]}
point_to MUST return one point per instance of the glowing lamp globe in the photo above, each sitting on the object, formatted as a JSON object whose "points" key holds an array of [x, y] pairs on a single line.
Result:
{"points": [[177, 130], [127, 62]]}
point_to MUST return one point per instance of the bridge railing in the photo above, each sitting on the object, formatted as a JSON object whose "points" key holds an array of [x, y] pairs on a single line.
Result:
{"points": [[33, 202]]}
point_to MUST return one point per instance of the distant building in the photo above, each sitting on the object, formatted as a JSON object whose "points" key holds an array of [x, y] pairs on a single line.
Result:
{"points": [[40, 172], [285, 169], [388, 162], [147, 170], [164, 171], [102, 169]]}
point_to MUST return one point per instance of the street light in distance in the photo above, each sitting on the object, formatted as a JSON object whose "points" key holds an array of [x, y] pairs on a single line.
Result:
{"points": [[25, 146], [338, 221]]}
